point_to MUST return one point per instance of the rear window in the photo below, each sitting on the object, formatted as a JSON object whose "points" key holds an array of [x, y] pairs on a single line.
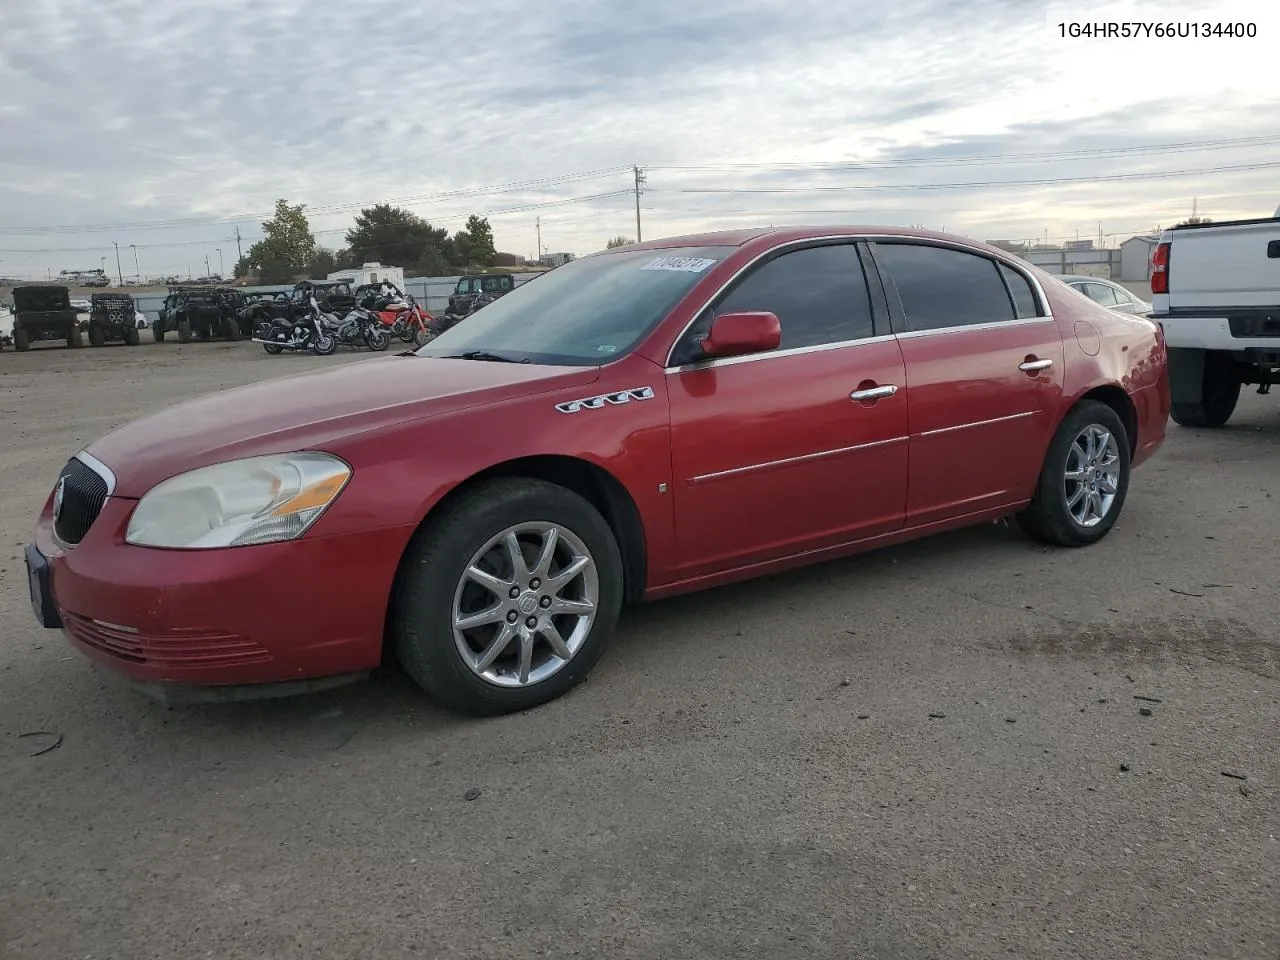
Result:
{"points": [[940, 287]]}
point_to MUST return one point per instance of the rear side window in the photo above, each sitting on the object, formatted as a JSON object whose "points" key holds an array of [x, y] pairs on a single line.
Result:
{"points": [[1101, 293], [940, 287], [1024, 298]]}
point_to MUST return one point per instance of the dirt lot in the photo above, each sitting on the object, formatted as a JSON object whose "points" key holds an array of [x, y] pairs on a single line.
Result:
{"points": [[930, 751]]}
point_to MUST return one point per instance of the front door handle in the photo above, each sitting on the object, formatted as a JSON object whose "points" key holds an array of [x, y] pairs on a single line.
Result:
{"points": [[874, 393], [1031, 366]]}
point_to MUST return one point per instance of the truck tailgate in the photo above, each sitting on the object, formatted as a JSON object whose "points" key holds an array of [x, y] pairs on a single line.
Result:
{"points": [[1227, 265]]}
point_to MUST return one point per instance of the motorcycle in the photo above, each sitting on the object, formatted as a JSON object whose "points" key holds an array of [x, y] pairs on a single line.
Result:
{"points": [[452, 317], [315, 334], [399, 312], [362, 326]]}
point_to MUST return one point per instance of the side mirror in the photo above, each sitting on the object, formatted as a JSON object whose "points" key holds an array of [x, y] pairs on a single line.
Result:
{"points": [[734, 334]]}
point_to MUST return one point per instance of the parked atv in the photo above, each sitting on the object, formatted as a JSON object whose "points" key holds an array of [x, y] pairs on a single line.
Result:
{"points": [[44, 312], [112, 318], [202, 313]]}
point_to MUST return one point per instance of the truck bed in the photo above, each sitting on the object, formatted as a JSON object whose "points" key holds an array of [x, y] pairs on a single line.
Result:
{"points": [[1218, 268]]}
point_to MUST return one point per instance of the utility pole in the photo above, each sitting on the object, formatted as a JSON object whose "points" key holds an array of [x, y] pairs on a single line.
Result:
{"points": [[239, 255], [136, 266], [640, 181], [206, 265], [537, 225], [119, 272]]}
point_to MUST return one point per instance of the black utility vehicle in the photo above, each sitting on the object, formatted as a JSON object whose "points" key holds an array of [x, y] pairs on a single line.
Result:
{"points": [[112, 317], [44, 312]]}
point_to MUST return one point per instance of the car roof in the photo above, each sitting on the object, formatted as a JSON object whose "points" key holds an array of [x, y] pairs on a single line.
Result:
{"points": [[789, 234]]}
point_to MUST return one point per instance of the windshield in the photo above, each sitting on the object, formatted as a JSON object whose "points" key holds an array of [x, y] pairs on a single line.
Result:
{"points": [[587, 312]]}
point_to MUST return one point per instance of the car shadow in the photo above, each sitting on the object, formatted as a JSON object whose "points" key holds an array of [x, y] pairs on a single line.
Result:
{"points": [[388, 706]]}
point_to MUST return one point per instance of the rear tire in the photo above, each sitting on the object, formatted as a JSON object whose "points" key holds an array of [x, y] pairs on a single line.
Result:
{"points": [[233, 329], [184, 332], [273, 348], [1219, 394], [75, 339], [132, 337], [433, 591], [1058, 513], [21, 340], [157, 333], [97, 338]]}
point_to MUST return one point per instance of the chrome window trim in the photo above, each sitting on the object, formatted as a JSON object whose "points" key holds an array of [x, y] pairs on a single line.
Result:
{"points": [[771, 354], [957, 245], [98, 467], [989, 325], [788, 461]]}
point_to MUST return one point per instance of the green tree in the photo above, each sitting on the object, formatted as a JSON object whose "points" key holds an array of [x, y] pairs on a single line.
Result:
{"points": [[1191, 221], [392, 235], [481, 249], [618, 241], [286, 250], [322, 264]]}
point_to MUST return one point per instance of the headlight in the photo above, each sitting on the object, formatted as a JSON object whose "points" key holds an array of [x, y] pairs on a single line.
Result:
{"points": [[241, 502]]}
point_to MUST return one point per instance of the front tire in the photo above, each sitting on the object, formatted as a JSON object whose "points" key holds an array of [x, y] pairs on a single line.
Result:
{"points": [[75, 339], [458, 629], [97, 338], [377, 340], [21, 340], [184, 332], [1219, 394], [1084, 480], [324, 345], [157, 332], [132, 336]]}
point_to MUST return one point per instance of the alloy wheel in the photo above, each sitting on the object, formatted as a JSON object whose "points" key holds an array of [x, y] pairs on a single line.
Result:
{"points": [[525, 604], [1092, 477]]}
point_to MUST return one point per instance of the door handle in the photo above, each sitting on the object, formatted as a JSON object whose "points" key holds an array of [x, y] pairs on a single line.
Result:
{"points": [[874, 393], [1030, 366]]}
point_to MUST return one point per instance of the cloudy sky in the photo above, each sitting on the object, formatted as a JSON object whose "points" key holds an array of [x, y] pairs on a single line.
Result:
{"points": [[167, 124]]}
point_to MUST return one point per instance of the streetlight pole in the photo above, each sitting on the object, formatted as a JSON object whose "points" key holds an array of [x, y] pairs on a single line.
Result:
{"points": [[206, 265], [136, 266], [119, 271], [222, 270]]}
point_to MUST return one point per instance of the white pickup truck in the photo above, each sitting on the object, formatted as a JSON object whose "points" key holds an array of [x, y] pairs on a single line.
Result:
{"points": [[1216, 293]]}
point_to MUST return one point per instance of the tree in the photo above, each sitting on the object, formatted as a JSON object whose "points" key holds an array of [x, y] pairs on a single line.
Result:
{"points": [[392, 235], [286, 250], [618, 241], [481, 250], [1191, 221], [323, 263]]}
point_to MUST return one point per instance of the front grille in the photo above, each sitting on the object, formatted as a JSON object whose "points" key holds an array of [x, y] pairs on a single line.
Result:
{"points": [[175, 649], [84, 492]]}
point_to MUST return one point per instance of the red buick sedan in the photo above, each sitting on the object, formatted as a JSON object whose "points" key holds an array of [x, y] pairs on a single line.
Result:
{"points": [[645, 421]]}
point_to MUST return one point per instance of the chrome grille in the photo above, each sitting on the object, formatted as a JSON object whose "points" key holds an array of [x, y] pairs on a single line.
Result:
{"points": [[83, 493]]}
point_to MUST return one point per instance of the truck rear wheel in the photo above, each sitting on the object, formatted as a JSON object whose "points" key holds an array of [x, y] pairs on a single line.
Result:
{"points": [[1219, 393], [21, 339]]}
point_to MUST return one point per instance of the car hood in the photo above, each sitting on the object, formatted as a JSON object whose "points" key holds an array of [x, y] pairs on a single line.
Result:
{"points": [[313, 409]]}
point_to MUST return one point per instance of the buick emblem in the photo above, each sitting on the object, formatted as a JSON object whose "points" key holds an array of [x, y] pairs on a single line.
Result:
{"points": [[58, 492]]}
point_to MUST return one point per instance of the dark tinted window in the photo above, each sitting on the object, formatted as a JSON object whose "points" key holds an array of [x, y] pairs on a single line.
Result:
{"points": [[1100, 293], [1024, 298], [819, 294], [940, 287]]}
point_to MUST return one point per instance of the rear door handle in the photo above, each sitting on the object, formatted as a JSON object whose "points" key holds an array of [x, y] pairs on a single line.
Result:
{"points": [[874, 393], [1030, 366]]}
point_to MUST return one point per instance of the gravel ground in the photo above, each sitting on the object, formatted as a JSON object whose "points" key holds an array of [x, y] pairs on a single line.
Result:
{"points": [[930, 751]]}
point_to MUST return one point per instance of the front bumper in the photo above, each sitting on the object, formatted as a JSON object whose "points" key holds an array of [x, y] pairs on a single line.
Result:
{"points": [[273, 613]]}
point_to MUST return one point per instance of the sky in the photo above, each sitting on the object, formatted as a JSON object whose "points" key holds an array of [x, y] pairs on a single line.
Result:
{"points": [[165, 126]]}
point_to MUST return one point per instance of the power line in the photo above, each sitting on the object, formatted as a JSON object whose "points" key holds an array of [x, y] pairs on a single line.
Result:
{"points": [[1181, 147], [1044, 181], [461, 194]]}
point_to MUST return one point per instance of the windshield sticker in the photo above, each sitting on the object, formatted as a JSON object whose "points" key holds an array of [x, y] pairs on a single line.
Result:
{"points": [[681, 264], [606, 348]]}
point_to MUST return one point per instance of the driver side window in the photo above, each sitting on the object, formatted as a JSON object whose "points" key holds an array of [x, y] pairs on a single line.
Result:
{"points": [[819, 295]]}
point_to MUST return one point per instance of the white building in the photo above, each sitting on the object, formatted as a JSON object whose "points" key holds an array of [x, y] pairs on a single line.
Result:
{"points": [[1135, 258]]}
